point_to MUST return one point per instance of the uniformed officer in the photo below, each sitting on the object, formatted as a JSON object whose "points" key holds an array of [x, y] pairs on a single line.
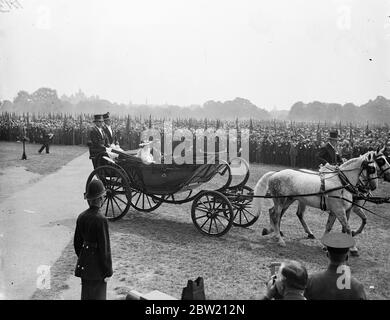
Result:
{"points": [[335, 283], [329, 153], [92, 246]]}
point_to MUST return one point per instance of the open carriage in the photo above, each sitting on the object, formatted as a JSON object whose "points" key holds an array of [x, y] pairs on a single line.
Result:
{"points": [[132, 183]]}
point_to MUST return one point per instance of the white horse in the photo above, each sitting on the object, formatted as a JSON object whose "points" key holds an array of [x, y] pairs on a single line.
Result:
{"points": [[288, 185], [384, 167]]}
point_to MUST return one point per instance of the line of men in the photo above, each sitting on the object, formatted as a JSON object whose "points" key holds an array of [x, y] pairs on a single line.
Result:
{"points": [[101, 136]]}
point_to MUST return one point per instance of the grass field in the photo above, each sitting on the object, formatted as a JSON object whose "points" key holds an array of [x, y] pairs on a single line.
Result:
{"points": [[16, 174], [43, 164], [162, 250]]}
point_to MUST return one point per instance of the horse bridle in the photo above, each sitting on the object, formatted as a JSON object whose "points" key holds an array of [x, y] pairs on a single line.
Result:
{"points": [[361, 186], [380, 161]]}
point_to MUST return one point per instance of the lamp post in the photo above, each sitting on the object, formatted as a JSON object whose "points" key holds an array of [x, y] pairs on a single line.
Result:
{"points": [[24, 139]]}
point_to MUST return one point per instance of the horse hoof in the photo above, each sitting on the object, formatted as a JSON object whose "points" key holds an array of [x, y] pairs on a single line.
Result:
{"points": [[281, 233], [264, 232], [311, 236]]}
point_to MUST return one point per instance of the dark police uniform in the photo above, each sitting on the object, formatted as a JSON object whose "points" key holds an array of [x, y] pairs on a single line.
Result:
{"points": [[323, 285], [92, 246]]}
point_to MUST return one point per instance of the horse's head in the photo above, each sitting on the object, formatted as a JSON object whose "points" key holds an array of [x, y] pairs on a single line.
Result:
{"points": [[369, 171], [382, 162]]}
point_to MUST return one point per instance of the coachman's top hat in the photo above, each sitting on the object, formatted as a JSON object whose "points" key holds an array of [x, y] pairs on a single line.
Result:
{"points": [[98, 117], [106, 116], [333, 135]]}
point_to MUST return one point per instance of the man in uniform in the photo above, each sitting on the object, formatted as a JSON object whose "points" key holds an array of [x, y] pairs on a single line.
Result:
{"points": [[335, 283], [111, 136], [92, 246], [98, 139], [328, 153]]}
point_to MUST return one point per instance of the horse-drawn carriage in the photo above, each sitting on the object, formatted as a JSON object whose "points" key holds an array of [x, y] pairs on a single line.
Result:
{"points": [[132, 183]]}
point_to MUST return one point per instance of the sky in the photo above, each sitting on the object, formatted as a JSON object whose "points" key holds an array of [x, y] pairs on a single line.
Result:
{"points": [[185, 52]]}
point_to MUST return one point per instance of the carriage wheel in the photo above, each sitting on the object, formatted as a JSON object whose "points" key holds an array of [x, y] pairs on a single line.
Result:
{"points": [[243, 208], [212, 213], [144, 203], [118, 193]]}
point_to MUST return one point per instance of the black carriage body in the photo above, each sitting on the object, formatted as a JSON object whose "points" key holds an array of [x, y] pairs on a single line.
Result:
{"points": [[168, 179], [130, 182]]}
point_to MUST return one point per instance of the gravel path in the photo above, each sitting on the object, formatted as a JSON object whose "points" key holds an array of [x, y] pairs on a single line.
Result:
{"points": [[37, 223]]}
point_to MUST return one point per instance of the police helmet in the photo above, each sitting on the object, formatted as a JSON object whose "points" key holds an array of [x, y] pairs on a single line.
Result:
{"points": [[95, 189]]}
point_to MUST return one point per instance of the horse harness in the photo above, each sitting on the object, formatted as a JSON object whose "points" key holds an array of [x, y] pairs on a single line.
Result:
{"points": [[357, 191]]}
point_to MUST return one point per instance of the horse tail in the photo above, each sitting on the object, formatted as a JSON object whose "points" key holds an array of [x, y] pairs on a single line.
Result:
{"points": [[261, 189]]}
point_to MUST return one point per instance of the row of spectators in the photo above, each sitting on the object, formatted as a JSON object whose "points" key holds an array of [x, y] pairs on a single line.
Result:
{"points": [[272, 142]]}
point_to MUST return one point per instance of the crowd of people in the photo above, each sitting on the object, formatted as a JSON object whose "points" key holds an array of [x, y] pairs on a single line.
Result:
{"points": [[270, 142]]}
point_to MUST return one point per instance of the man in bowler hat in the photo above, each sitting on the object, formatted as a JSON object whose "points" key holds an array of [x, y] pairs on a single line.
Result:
{"points": [[329, 153], [92, 246], [335, 283]]}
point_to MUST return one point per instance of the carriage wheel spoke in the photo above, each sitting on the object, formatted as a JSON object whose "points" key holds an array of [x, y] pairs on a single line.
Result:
{"points": [[117, 184], [202, 209], [220, 204], [215, 222], [112, 207], [107, 207], [116, 197], [211, 222], [138, 199], [201, 217], [223, 216], [224, 226], [207, 208], [249, 213], [150, 205], [204, 223], [208, 201], [242, 214], [117, 204]]}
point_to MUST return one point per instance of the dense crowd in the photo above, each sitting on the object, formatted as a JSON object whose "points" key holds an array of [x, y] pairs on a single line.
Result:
{"points": [[273, 142]]}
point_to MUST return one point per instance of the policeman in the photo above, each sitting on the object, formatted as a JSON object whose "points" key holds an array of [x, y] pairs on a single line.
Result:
{"points": [[336, 283], [92, 246], [328, 153]]}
